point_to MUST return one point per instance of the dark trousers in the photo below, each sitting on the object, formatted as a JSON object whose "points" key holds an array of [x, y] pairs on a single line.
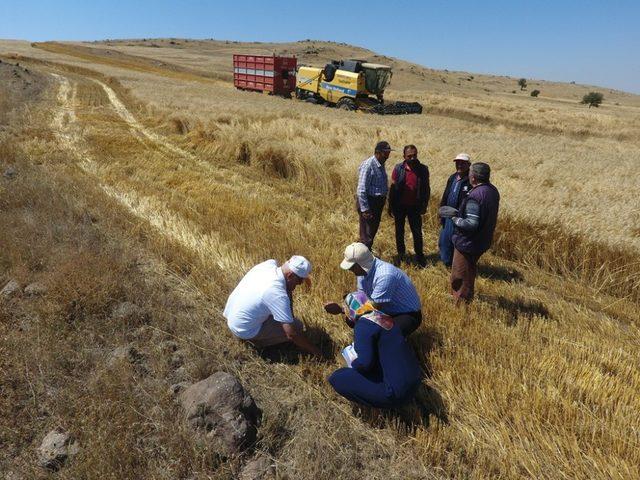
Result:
{"points": [[400, 213], [408, 322], [365, 389], [369, 227]]}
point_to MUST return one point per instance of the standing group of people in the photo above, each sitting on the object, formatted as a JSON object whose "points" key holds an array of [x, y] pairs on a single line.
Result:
{"points": [[385, 372]]}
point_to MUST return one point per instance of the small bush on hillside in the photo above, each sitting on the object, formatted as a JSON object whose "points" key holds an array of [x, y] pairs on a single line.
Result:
{"points": [[522, 83], [535, 93], [593, 99]]}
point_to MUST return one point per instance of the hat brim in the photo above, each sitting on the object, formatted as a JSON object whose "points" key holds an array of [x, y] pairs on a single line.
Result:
{"points": [[346, 265]]}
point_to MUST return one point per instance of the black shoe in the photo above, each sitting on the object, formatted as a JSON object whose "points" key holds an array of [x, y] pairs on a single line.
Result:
{"points": [[399, 258], [421, 260]]}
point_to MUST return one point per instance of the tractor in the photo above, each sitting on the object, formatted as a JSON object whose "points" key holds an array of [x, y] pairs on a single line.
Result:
{"points": [[350, 85]]}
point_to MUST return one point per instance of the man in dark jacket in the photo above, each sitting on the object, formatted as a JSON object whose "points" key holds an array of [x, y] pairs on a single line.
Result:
{"points": [[408, 198], [457, 188], [473, 231]]}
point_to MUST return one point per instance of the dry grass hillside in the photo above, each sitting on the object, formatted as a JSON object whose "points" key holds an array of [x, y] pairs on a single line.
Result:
{"points": [[133, 171]]}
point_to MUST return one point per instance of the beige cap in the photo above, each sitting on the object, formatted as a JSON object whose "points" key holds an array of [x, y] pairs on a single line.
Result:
{"points": [[463, 156], [357, 253]]}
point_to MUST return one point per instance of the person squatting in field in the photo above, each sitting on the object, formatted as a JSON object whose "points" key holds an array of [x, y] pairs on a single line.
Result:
{"points": [[260, 310], [390, 289], [473, 235], [408, 199], [385, 373], [457, 188]]}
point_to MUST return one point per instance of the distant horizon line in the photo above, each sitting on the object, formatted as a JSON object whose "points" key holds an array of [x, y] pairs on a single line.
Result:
{"points": [[258, 42]]}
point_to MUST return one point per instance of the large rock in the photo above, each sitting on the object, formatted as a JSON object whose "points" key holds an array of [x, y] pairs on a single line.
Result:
{"points": [[219, 406], [55, 449], [11, 289]]}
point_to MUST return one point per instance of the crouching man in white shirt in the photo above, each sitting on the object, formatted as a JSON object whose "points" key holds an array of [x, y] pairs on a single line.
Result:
{"points": [[259, 308]]}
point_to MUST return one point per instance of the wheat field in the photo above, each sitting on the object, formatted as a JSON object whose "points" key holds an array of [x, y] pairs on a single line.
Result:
{"points": [[143, 175]]}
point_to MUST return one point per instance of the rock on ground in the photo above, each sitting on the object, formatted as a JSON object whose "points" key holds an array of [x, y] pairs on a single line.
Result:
{"points": [[129, 313], [130, 354], [220, 406], [35, 289], [258, 468], [10, 289], [10, 173], [55, 449]]}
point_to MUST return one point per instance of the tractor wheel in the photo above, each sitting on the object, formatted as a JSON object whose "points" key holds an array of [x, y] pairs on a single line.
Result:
{"points": [[299, 94], [346, 104]]}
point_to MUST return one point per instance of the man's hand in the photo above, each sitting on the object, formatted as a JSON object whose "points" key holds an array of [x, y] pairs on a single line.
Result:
{"points": [[333, 308], [368, 215]]}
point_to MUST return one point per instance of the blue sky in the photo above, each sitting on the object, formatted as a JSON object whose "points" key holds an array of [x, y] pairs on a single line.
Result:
{"points": [[593, 42]]}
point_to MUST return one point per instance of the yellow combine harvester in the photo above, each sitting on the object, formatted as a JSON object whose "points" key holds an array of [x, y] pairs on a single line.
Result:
{"points": [[351, 85]]}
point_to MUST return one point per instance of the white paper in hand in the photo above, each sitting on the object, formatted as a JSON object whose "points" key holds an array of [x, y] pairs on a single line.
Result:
{"points": [[349, 354]]}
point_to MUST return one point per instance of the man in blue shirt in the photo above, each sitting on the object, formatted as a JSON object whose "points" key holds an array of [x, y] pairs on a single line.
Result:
{"points": [[457, 188], [372, 192], [390, 289]]}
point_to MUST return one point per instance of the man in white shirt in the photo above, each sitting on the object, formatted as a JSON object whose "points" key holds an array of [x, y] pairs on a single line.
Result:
{"points": [[259, 308]]}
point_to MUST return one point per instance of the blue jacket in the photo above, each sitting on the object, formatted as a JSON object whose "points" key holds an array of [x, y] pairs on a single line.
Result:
{"points": [[386, 352]]}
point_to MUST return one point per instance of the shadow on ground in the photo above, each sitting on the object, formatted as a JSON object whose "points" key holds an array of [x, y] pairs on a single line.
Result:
{"points": [[492, 272], [411, 260], [518, 308]]}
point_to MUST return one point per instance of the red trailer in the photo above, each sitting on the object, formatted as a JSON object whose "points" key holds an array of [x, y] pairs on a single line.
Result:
{"points": [[275, 75]]}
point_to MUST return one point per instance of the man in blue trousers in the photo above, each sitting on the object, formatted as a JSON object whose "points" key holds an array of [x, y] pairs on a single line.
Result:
{"points": [[457, 188], [385, 373]]}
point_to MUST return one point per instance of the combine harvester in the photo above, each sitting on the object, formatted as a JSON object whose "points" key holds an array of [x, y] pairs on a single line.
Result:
{"points": [[345, 84]]}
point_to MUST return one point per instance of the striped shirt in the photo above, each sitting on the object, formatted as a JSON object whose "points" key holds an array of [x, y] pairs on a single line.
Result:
{"points": [[388, 285], [372, 181]]}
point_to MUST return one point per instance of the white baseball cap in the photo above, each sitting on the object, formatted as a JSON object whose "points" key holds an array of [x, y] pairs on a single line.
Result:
{"points": [[299, 265], [357, 253], [463, 156]]}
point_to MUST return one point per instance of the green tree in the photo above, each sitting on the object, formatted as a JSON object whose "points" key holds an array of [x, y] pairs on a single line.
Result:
{"points": [[522, 83], [593, 99], [535, 93]]}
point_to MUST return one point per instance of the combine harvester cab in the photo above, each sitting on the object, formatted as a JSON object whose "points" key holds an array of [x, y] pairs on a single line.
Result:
{"points": [[350, 85], [262, 73]]}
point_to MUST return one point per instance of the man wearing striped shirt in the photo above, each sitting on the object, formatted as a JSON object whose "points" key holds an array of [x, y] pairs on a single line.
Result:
{"points": [[389, 288], [372, 192]]}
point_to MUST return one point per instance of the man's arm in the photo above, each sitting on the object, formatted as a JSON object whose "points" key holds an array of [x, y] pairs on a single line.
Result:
{"points": [[445, 194], [471, 221], [393, 191], [427, 191], [363, 180], [300, 339], [279, 305]]}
